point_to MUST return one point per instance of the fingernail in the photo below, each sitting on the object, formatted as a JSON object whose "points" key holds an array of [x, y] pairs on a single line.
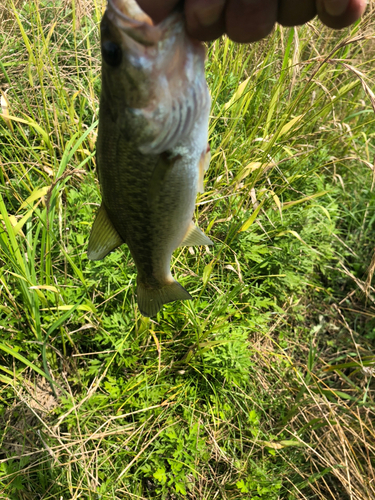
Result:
{"points": [[335, 7], [210, 14]]}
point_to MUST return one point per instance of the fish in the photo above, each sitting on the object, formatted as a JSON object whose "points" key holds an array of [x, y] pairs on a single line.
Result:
{"points": [[152, 146]]}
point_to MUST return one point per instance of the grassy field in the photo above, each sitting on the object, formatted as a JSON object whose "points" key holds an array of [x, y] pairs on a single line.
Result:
{"points": [[262, 387]]}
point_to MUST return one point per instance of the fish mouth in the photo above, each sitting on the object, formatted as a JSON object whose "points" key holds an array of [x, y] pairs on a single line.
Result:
{"points": [[130, 18]]}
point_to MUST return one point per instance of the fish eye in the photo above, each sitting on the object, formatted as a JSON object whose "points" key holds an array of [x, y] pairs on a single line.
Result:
{"points": [[112, 53]]}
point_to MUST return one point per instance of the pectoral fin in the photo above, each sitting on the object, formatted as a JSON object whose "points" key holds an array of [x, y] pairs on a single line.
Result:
{"points": [[204, 163], [103, 238], [195, 237]]}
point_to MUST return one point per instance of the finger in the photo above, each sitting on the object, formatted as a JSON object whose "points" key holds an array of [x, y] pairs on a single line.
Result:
{"points": [[250, 20], [340, 13], [295, 12], [205, 18], [157, 10]]}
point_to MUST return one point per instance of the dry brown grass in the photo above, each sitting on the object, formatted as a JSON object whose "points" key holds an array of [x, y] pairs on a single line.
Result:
{"points": [[331, 408]]}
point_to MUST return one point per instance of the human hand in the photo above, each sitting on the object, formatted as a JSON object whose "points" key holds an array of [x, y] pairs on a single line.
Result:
{"points": [[251, 20]]}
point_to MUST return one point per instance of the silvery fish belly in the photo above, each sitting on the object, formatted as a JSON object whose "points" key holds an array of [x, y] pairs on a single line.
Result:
{"points": [[152, 146]]}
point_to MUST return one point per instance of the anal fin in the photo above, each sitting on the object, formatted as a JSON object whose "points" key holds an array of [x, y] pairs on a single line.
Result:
{"points": [[195, 237], [104, 237]]}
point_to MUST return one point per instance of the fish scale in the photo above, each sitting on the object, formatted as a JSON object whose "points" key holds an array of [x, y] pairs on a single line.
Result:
{"points": [[127, 210], [152, 146]]}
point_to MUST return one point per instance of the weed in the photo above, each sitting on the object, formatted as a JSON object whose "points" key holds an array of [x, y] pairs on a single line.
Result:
{"points": [[262, 386]]}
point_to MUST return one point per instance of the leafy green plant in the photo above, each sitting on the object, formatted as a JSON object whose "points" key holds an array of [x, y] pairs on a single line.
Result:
{"points": [[259, 386]]}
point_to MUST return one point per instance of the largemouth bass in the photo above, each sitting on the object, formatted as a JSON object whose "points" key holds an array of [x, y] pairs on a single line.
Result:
{"points": [[152, 146]]}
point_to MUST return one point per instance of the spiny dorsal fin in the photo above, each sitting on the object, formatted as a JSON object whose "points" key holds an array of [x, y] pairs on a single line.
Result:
{"points": [[195, 237], [150, 300], [103, 238], [159, 176]]}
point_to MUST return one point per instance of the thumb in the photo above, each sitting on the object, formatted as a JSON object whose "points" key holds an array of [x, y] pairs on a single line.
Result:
{"points": [[157, 10]]}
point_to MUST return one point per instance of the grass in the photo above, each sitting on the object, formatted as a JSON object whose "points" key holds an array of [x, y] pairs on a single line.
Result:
{"points": [[261, 387]]}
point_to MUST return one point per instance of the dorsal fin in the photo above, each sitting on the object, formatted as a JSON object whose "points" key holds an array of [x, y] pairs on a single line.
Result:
{"points": [[104, 237]]}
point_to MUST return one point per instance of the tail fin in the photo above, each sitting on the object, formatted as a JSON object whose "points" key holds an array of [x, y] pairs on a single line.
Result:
{"points": [[150, 300]]}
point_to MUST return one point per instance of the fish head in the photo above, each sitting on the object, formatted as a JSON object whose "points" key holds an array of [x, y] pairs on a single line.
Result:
{"points": [[128, 39], [134, 50], [147, 68]]}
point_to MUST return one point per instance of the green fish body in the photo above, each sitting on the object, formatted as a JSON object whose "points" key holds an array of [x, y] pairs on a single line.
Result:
{"points": [[151, 147]]}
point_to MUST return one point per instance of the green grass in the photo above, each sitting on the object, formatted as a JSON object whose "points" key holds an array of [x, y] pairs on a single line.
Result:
{"points": [[261, 387]]}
